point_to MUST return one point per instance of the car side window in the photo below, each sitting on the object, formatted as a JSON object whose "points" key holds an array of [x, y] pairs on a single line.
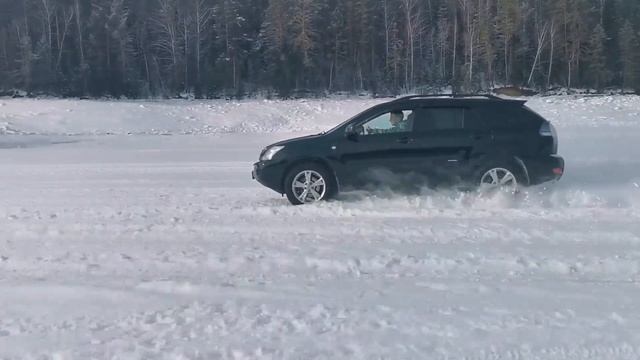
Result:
{"points": [[393, 122], [504, 118], [440, 118]]}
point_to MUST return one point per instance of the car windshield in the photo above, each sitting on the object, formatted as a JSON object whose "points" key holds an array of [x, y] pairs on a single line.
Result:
{"points": [[347, 121]]}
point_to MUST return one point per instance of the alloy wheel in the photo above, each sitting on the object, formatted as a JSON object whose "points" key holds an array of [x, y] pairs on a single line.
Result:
{"points": [[309, 186], [499, 179]]}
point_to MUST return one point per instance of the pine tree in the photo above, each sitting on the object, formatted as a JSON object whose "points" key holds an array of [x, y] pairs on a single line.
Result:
{"points": [[203, 14], [442, 39], [229, 26], [598, 73], [304, 28], [506, 28], [486, 41], [630, 57], [335, 44], [276, 36]]}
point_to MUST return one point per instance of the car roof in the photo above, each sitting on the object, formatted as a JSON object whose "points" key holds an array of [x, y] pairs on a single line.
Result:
{"points": [[457, 100]]}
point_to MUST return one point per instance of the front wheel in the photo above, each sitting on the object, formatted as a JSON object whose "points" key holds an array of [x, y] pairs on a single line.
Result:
{"points": [[309, 183]]}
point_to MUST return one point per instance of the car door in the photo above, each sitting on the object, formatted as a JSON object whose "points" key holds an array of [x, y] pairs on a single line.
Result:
{"points": [[482, 123], [378, 152], [442, 144]]}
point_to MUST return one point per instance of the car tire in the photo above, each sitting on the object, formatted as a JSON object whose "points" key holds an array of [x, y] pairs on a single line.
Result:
{"points": [[309, 183], [500, 177]]}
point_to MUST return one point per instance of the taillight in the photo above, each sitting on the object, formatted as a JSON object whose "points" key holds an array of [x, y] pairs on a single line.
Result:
{"points": [[548, 130]]}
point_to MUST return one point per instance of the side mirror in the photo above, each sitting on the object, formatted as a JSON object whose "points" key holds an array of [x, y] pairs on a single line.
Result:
{"points": [[352, 132]]}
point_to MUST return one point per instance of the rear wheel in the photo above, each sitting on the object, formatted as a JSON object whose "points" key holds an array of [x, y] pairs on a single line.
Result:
{"points": [[309, 183], [496, 179]]}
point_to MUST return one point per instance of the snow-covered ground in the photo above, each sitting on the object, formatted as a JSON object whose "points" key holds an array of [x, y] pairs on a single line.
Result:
{"points": [[133, 230]]}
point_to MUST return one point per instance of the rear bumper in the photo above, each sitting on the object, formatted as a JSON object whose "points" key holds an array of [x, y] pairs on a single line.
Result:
{"points": [[269, 175], [544, 169]]}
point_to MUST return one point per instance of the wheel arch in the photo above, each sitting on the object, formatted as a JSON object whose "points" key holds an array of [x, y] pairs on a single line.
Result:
{"points": [[523, 167], [505, 159]]}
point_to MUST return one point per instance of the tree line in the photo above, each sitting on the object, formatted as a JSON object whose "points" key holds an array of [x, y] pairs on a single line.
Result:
{"points": [[211, 48]]}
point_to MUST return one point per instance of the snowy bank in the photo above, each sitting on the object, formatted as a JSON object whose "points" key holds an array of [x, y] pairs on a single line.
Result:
{"points": [[72, 117]]}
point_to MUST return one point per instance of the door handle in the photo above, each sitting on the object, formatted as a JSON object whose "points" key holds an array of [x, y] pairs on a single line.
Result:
{"points": [[405, 140], [482, 136]]}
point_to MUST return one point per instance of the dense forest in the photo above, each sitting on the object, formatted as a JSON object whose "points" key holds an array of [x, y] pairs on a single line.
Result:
{"points": [[211, 48]]}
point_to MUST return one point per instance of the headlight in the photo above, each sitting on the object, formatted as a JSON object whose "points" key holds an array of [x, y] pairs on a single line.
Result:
{"points": [[270, 153]]}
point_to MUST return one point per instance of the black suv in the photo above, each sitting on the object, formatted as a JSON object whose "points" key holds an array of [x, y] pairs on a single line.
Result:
{"points": [[481, 142]]}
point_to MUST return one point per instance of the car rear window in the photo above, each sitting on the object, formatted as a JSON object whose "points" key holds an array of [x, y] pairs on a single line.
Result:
{"points": [[501, 117]]}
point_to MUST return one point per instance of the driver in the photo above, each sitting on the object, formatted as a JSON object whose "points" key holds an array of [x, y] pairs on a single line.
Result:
{"points": [[398, 122]]}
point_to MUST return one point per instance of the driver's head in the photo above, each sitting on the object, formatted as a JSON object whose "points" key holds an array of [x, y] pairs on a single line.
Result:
{"points": [[396, 117]]}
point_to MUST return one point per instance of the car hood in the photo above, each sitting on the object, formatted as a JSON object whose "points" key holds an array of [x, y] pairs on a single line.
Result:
{"points": [[298, 140]]}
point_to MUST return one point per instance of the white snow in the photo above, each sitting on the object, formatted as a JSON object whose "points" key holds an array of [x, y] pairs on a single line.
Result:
{"points": [[119, 243]]}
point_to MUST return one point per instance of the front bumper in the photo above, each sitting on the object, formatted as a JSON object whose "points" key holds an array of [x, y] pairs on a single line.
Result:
{"points": [[270, 175], [545, 169]]}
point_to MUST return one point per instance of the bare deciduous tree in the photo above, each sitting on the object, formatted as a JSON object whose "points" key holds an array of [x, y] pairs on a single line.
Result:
{"points": [[236, 47]]}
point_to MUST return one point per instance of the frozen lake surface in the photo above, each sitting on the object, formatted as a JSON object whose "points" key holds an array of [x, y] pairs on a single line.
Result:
{"points": [[133, 230]]}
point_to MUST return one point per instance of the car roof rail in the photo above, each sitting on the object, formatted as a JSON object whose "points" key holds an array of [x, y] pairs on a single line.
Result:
{"points": [[461, 96]]}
